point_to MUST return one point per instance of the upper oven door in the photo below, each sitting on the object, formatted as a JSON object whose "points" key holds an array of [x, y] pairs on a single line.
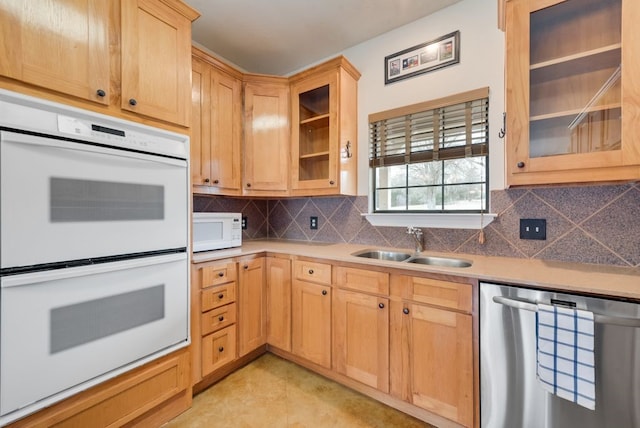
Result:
{"points": [[64, 200]]}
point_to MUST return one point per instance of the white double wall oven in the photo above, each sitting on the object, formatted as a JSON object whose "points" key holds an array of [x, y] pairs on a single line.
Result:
{"points": [[94, 228]]}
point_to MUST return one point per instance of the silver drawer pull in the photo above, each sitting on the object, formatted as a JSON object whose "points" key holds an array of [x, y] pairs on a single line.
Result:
{"points": [[599, 318]]}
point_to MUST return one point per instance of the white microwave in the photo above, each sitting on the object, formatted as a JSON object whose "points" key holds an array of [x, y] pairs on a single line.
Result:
{"points": [[213, 231]]}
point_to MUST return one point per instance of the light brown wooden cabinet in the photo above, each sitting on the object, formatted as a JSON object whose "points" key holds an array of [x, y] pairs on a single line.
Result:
{"points": [[214, 296], [311, 312], [266, 136], [324, 129], [123, 56], [361, 337], [573, 101], [38, 49], [156, 58], [216, 132], [297, 136], [361, 326], [431, 345], [252, 305], [278, 278], [133, 399], [405, 339]]}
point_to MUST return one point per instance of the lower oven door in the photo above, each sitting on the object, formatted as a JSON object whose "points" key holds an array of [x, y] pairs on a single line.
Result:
{"points": [[65, 330], [70, 200]]}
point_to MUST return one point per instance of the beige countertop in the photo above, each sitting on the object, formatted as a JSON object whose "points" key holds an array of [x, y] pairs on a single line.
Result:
{"points": [[571, 277]]}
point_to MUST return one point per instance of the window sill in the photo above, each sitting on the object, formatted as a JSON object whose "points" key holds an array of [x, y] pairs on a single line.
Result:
{"points": [[445, 221]]}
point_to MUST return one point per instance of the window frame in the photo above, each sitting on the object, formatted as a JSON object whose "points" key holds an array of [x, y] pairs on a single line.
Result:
{"points": [[470, 151]]}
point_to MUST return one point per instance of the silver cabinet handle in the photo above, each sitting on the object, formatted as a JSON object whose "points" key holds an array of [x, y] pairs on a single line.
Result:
{"points": [[599, 318]]}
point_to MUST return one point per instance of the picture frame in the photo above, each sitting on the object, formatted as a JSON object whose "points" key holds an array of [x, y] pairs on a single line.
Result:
{"points": [[423, 58]]}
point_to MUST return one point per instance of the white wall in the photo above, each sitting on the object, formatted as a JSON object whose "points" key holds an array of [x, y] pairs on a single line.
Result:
{"points": [[481, 64]]}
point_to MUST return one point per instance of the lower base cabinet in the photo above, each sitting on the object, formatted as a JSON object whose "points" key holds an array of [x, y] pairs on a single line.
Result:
{"points": [[252, 305], [432, 348], [361, 338], [218, 349], [147, 396], [311, 322], [278, 278], [404, 339]]}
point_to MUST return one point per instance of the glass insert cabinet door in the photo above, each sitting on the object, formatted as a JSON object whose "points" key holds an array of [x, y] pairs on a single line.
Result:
{"points": [[314, 134], [569, 68]]}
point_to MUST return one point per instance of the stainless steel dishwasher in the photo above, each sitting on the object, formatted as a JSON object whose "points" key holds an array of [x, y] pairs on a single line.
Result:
{"points": [[510, 394]]}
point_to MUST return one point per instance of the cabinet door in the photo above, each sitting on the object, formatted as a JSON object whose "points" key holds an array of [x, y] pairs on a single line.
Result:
{"points": [[311, 322], [314, 132], [252, 306], [568, 119], [156, 61], [226, 131], [324, 129], [266, 137], [432, 360], [361, 338], [60, 45], [279, 303], [200, 144], [218, 349]]}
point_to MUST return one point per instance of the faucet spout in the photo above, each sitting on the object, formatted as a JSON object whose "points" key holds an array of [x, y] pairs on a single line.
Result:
{"points": [[417, 237]]}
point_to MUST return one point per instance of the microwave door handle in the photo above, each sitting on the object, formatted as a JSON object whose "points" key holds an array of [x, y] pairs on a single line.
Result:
{"points": [[599, 318]]}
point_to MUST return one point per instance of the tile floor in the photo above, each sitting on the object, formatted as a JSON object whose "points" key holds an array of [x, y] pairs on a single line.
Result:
{"points": [[272, 392]]}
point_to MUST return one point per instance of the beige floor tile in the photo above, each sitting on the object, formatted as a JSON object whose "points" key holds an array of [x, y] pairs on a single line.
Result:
{"points": [[272, 392]]}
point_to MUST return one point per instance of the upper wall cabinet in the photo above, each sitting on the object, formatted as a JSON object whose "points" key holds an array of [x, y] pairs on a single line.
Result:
{"points": [[297, 135], [573, 98], [324, 129], [216, 130], [127, 56], [266, 136], [156, 59], [38, 46]]}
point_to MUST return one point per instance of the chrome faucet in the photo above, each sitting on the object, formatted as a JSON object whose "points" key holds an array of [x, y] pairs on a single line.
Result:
{"points": [[417, 236]]}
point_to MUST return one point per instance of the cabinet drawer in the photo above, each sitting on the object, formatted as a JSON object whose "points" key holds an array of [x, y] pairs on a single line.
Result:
{"points": [[319, 273], [218, 318], [446, 294], [218, 349], [363, 280], [218, 296], [218, 274]]}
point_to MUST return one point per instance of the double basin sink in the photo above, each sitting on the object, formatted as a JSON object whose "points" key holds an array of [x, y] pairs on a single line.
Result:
{"points": [[399, 256]]}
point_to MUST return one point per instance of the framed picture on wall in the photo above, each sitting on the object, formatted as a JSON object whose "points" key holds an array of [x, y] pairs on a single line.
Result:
{"points": [[432, 55]]}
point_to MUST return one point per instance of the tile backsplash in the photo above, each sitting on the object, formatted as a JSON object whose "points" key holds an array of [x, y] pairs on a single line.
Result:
{"points": [[585, 224]]}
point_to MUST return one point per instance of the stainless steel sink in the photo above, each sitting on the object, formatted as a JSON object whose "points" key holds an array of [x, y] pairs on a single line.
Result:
{"points": [[440, 261], [400, 256], [396, 256]]}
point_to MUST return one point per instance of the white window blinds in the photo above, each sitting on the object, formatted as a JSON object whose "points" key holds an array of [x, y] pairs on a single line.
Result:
{"points": [[449, 128]]}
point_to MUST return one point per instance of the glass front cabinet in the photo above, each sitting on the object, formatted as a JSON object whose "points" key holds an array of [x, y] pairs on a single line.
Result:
{"points": [[573, 91], [324, 130]]}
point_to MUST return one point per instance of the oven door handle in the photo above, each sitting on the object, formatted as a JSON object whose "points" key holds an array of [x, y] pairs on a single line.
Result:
{"points": [[78, 145], [599, 318], [87, 270]]}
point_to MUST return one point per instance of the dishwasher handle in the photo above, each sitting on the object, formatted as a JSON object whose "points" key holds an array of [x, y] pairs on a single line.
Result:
{"points": [[599, 318]]}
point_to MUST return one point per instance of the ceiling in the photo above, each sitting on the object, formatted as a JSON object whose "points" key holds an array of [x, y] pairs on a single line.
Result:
{"points": [[282, 36]]}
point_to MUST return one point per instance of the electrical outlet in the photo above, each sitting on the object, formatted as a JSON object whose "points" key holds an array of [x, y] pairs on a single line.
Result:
{"points": [[533, 228], [244, 222], [313, 222]]}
